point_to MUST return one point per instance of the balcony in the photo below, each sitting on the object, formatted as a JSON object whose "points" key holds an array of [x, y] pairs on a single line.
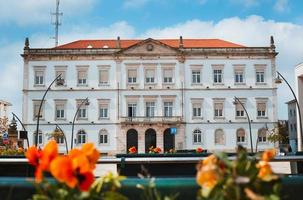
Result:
{"points": [[151, 120]]}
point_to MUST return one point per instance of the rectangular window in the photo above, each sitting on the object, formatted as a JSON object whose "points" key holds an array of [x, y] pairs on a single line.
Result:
{"points": [[167, 75], [218, 109], [60, 113], [261, 109], [103, 111], [82, 114], [168, 109], [239, 77], [150, 109], [103, 76], [36, 105], [103, 139], [82, 77], [239, 110], [260, 76], [58, 82], [197, 110], [150, 76], [196, 76], [132, 109], [218, 73], [132, 75], [40, 138], [39, 77]]}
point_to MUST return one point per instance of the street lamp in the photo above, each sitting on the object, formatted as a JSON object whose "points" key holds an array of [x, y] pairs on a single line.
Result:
{"points": [[236, 101], [22, 134], [60, 81], [86, 102], [58, 129], [278, 80]]}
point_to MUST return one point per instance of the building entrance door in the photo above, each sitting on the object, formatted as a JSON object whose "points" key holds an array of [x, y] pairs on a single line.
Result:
{"points": [[150, 139], [168, 140], [131, 139]]}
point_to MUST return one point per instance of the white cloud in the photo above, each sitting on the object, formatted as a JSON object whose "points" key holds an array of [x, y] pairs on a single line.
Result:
{"points": [[250, 31], [281, 5], [34, 12]]}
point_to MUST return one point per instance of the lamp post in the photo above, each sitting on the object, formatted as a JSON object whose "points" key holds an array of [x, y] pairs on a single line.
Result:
{"points": [[86, 102], [24, 129], [63, 134], [59, 82], [278, 80], [237, 100]]}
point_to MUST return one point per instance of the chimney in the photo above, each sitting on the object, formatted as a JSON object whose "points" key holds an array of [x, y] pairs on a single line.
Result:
{"points": [[26, 43], [118, 43], [272, 42], [181, 42]]}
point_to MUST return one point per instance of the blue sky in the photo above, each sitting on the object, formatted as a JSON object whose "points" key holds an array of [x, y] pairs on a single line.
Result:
{"points": [[249, 22]]}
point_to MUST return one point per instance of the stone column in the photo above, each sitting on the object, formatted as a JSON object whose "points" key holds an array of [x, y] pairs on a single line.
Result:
{"points": [[141, 140], [180, 140], [159, 134]]}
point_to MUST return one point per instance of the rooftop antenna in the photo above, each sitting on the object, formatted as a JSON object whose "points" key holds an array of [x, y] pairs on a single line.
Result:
{"points": [[57, 22]]}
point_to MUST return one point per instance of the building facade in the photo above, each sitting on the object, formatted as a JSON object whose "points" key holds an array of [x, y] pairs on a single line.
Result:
{"points": [[299, 94], [292, 124], [173, 94]]}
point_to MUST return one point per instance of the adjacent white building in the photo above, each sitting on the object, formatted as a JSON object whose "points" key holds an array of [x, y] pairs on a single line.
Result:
{"points": [[299, 94], [4, 108], [173, 93], [292, 124]]}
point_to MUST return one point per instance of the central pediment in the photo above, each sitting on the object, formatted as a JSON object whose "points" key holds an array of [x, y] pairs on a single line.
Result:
{"points": [[150, 47]]}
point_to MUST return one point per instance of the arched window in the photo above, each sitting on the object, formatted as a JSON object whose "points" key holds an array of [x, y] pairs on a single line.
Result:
{"points": [[219, 137], [40, 138], [81, 137], [197, 137], [103, 137], [57, 135], [240, 135], [262, 137]]}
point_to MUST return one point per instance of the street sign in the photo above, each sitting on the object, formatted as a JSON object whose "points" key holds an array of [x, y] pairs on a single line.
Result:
{"points": [[5, 136], [173, 130]]}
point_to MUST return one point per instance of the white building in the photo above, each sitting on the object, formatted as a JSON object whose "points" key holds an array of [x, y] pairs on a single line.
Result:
{"points": [[292, 124], [141, 91], [4, 108], [299, 94]]}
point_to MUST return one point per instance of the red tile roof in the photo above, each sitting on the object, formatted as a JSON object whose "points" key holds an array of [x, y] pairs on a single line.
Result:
{"points": [[187, 43]]}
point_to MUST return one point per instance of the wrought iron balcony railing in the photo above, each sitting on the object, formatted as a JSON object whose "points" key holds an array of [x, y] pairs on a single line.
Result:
{"points": [[151, 120]]}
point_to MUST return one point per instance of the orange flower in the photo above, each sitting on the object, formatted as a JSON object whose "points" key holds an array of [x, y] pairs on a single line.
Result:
{"points": [[85, 180], [199, 150], [62, 169], [49, 153], [132, 150], [91, 153], [268, 155], [265, 172], [208, 176], [212, 159], [33, 155], [157, 150]]}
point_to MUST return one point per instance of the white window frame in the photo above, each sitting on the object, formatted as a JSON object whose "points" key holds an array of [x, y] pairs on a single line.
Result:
{"points": [[61, 70], [105, 107], [239, 138], [150, 109], [40, 138], [199, 103], [132, 79], [198, 136], [216, 76], [83, 109], [104, 69], [196, 76], [168, 80], [41, 82], [264, 113], [134, 108], [36, 105], [63, 104], [102, 134], [223, 134], [218, 114], [239, 109], [150, 79], [81, 135], [261, 138], [168, 110], [259, 70], [82, 69]]}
